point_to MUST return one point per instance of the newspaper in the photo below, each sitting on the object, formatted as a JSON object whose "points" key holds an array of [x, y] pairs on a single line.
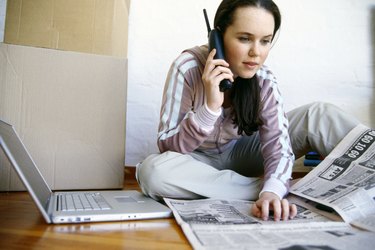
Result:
{"points": [[345, 180], [235, 212], [228, 224], [337, 195]]}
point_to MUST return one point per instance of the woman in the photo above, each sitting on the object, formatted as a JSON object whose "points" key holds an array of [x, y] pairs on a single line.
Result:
{"points": [[237, 144]]}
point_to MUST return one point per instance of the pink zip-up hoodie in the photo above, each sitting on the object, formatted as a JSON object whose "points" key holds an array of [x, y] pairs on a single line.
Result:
{"points": [[186, 124]]}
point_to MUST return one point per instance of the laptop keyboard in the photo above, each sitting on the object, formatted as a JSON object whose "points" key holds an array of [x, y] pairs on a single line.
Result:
{"points": [[81, 202]]}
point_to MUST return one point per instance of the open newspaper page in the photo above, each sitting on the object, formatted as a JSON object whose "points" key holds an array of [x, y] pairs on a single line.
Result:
{"points": [[345, 180], [233, 212], [312, 235], [228, 224]]}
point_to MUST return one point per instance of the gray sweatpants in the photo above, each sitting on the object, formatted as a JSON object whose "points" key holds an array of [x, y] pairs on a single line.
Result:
{"points": [[234, 174]]}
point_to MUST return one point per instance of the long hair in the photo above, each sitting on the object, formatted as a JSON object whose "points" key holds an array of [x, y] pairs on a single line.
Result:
{"points": [[245, 96]]}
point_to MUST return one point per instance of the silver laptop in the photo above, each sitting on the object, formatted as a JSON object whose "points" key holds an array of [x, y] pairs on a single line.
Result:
{"points": [[75, 207]]}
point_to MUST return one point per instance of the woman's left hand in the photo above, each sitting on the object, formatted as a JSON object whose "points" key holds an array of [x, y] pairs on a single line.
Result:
{"points": [[269, 201]]}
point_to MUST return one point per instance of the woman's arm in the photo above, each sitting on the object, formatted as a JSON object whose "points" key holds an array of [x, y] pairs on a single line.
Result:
{"points": [[274, 137], [277, 153], [185, 120]]}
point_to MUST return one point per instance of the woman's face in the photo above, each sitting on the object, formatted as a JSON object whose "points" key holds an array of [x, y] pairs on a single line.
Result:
{"points": [[247, 40]]}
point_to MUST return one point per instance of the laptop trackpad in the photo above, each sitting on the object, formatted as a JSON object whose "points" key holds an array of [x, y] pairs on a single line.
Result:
{"points": [[125, 199]]}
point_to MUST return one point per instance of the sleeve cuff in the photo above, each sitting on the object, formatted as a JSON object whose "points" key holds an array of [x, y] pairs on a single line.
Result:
{"points": [[275, 186], [205, 118]]}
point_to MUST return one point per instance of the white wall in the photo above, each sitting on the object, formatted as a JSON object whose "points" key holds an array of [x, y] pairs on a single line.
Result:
{"points": [[325, 52], [3, 4]]}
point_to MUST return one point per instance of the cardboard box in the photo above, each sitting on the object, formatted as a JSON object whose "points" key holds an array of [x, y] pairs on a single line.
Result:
{"points": [[69, 109], [91, 26]]}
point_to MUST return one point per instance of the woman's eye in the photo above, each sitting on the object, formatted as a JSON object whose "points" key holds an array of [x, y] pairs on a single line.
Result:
{"points": [[244, 39], [265, 42]]}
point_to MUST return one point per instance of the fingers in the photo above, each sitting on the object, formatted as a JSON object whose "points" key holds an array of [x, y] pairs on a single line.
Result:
{"points": [[281, 209], [216, 69], [256, 211], [277, 209], [265, 209], [285, 209], [214, 72], [293, 211], [222, 73], [211, 57], [260, 210]]}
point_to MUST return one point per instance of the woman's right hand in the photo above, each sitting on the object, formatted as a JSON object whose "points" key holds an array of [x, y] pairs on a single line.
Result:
{"points": [[214, 72]]}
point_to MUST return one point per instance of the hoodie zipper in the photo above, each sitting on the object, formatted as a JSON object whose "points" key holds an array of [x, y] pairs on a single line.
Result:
{"points": [[218, 137]]}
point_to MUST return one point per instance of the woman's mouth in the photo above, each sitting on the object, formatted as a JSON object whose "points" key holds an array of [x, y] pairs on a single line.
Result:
{"points": [[251, 65]]}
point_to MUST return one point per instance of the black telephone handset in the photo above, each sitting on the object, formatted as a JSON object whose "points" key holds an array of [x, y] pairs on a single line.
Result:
{"points": [[215, 41]]}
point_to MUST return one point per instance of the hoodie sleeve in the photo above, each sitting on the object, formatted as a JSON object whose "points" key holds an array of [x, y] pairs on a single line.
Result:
{"points": [[184, 125], [274, 137]]}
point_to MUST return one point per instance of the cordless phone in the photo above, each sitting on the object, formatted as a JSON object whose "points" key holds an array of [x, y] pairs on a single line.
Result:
{"points": [[215, 41]]}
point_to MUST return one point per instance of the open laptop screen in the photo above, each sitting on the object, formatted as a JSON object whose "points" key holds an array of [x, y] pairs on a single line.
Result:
{"points": [[24, 165]]}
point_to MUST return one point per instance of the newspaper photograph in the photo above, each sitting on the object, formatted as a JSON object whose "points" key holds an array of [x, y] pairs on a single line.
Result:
{"points": [[345, 179]]}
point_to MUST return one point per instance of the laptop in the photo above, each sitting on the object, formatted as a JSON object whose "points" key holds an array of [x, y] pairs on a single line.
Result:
{"points": [[75, 206]]}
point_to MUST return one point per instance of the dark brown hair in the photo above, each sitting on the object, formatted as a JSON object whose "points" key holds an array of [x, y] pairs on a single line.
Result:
{"points": [[245, 93]]}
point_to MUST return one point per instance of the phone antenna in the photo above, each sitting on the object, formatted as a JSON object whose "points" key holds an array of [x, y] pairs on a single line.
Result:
{"points": [[207, 22]]}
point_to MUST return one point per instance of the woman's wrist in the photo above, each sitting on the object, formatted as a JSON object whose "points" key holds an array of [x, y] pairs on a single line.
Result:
{"points": [[206, 118], [213, 108]]}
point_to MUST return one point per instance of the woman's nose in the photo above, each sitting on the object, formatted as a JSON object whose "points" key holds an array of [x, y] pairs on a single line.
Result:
{"points": [[254, 49]]}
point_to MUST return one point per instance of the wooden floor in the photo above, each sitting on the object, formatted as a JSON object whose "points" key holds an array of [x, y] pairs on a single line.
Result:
{"points": [[23, 227]]}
